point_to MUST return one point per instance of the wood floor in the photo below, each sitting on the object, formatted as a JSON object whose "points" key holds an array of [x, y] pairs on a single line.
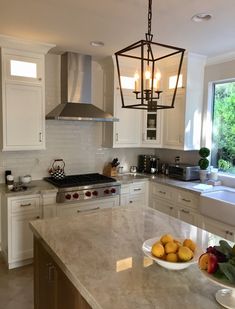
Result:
{"points": [[16, 287]]}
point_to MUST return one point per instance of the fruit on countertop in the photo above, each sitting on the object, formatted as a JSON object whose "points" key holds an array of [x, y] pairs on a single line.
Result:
{"points": [[208, 262], [219, 261], [172, 250]]}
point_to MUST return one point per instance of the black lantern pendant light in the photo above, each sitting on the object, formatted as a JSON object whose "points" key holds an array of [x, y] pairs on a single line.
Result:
{"points": [[148, 58]]}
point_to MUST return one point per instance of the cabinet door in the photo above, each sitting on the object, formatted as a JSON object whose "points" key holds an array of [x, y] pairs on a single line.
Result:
{"points": [[137, 199], [173, 126], [165, 207], [21, 243], [23, 116], [25, 68], [152, 133], [219, 228], [127, 130], [188, 216]]}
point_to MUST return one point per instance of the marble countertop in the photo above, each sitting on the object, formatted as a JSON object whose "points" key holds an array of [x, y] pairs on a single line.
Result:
{"points": [[101, 254], [34, 187], [166, 180]]}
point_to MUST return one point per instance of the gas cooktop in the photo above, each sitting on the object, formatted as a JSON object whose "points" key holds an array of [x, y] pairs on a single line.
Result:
{"points": [[83, 187], [80, 180]]}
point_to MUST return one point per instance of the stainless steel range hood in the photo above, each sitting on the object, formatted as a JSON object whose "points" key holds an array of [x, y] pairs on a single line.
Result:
{"points": [[76, 91]]}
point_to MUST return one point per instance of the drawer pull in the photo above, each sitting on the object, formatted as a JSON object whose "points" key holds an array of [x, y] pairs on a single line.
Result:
{"points": [[185, 200], [130, 202], [38, 217], [25, 205], [84, 210], [162, 192], [138, 189], [185, 211], [229, 233]]}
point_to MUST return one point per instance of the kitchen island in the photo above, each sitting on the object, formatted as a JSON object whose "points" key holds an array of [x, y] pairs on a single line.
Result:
{"points": [[101, 264]]}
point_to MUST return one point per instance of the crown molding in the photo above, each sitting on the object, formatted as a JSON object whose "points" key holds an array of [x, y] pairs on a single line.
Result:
{"points": [[16, 43], [221, 58]]}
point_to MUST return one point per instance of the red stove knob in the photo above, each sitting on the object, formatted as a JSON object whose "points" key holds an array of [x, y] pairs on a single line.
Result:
{"points": [[106, 191], [95, 193], [76, 195], [68, 196], [88, 193], [113, 190]]}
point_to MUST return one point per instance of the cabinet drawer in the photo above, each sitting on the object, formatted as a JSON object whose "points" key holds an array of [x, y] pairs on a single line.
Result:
{"points": [[26, 204], [137, 188], [162, 191], [187, 199]]}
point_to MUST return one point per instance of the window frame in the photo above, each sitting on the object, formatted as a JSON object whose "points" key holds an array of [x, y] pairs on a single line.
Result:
{"points": [[207, 134]]}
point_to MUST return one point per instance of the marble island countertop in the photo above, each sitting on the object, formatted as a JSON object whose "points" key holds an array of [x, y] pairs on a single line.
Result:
{"points": [[101, 254]]}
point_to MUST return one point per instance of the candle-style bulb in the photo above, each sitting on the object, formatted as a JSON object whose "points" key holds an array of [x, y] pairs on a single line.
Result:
{"points": [[148, 78], [136, 78]]}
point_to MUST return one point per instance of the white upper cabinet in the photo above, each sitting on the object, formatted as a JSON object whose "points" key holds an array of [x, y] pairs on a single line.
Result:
{"points": [[177, 128], [23, 95], [127, 131], [182, 124]]}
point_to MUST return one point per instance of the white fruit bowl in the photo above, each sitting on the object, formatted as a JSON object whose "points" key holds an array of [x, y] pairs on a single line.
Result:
{"points": [[147, 247]]}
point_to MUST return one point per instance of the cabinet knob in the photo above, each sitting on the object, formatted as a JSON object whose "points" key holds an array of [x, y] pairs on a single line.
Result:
{"points": [[40, 78], [130, 202], [38, 217]]}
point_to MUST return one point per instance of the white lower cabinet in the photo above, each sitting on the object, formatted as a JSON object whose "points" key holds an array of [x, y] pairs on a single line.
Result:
{"points": [[174, 202], [218, 228], [76, 208], [164, 207], [17, 238], [49, 205], [135, 193], [183, 204]]}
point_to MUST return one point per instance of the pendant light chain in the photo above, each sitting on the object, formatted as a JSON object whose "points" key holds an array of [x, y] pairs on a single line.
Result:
{"points": [[150, 17]]}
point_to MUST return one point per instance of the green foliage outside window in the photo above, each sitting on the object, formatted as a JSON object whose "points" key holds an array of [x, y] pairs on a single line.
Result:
{"points": [[224, 127]]}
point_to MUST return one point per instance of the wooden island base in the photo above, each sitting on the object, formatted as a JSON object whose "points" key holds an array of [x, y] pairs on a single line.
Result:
{"points": [[52, 289]]}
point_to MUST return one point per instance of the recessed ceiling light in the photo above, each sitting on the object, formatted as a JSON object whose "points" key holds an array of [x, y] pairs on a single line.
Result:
{"points": [[201, 17], [97, 43]]}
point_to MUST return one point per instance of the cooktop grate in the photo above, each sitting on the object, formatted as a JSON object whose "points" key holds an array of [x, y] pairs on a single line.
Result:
{"points": [[80, 180]]}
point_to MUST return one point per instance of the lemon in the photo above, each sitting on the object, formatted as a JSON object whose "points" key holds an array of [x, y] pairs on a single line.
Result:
{"points": [[190, 244], [166, 238], [185, 254], [171, 247], [172, 257], [158, 250]]}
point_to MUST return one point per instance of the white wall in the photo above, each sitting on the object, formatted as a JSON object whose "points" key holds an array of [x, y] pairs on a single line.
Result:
{"points": [[78, 143]]}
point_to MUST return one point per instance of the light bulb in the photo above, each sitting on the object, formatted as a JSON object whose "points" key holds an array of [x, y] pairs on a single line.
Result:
{"points": [[136, 78], [147, 78]]}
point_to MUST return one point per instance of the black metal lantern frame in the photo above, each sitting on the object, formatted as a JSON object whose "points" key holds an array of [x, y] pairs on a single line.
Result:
{"points": [[149, 55]]}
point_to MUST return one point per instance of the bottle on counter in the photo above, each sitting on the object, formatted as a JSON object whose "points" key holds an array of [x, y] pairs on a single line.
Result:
{"points": [[8, 172]]}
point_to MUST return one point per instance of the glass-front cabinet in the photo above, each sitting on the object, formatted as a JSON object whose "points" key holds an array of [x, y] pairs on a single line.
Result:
{"points": [[152, 129]]}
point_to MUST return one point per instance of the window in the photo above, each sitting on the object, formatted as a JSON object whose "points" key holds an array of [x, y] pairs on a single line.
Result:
{"points": [[223, 126]]}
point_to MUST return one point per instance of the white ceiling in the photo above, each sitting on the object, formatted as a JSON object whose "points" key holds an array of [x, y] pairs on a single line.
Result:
{"points": [[72, 24]]}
